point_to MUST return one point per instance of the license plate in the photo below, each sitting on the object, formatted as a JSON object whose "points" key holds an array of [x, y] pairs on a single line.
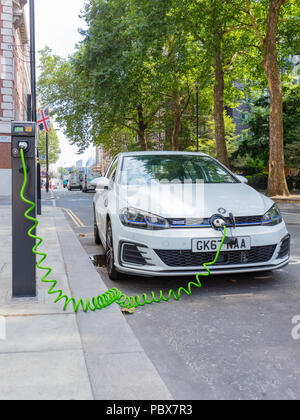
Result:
{"points": [[212, 245]]}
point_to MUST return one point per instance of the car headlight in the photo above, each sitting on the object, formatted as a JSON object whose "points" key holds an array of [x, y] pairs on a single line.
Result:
{"points": [[142, 220], [272, 217]]}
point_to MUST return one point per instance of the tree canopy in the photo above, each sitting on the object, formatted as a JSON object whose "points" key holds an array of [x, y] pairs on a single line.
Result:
{"points": [[255, 139], [131, 83]]}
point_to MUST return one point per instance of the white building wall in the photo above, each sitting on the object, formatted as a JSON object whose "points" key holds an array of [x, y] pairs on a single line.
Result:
{"points": [[5, 182], [11, 26], [6, 77]]}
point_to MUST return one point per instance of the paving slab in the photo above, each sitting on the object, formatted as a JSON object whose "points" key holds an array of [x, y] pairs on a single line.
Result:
{"points": [[294, 198], [129, 376], [40, 333], [54, 375]]}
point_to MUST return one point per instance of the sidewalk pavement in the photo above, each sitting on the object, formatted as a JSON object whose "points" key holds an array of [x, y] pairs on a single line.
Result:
{"points": [[51, 354], [292, 199]]}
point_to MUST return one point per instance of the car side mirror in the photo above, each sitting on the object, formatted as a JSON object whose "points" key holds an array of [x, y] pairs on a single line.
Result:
{"points": [[242, 179], [101, 183]]}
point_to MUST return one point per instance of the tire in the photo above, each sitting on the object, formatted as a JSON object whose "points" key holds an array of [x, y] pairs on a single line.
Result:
{"points": [[96, 232], [114, 275]]}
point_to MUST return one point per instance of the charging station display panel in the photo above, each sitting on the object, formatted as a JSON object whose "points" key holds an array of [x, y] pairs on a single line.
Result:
{"points": [[26, 128], [19, 130], [24, 132]]}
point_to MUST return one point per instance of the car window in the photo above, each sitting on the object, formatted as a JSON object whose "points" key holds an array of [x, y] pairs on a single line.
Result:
{"points": [[113, 171], [146, 169], [113, 175]]}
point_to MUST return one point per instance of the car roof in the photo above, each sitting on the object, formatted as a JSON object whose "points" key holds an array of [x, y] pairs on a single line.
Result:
{"points": [[132, 154]]}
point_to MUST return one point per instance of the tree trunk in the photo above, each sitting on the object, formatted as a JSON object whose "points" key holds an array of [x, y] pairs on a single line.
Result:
{"points": [[277, 179], [142, 129], [219, 88], [177, 121]]}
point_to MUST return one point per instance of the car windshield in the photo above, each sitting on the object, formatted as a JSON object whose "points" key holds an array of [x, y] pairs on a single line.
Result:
{"points": [[146, 169]]}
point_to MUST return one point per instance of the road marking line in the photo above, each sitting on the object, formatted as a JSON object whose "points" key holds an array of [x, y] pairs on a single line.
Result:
{"points": [[244, 295], [75, 222], [77, 218], [79, 222], [70, 215]]}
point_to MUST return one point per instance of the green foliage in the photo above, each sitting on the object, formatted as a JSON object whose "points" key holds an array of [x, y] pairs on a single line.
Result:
{"points": [[292, 154], [207, 142], [255, 140], [138, 58], [62, 172], [59, 86], [54, 150], [248, 165], [259, 181]]}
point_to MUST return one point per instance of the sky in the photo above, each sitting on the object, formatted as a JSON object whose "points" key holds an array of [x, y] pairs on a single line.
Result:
{"points": [[57, 23]]}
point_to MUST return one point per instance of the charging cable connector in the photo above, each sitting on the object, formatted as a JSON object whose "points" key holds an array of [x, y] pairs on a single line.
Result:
{"points": [[24, 145], [218, 222]]}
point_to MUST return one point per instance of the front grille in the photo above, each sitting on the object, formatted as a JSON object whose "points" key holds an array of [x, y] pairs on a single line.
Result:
{"points": [[197, 222], [130, 254], [191, 222], [285, 248], [248, 220], [188, 258]]}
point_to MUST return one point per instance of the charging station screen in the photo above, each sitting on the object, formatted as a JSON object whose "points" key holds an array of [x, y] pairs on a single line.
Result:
{"points": [[19, 130]]}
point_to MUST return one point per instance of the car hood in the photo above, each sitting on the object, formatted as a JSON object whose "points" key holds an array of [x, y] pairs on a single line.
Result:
{"points": [[191, 201]]}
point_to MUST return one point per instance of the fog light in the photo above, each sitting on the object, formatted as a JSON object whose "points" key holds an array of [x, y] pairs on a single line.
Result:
{"points": [[285, 247]]}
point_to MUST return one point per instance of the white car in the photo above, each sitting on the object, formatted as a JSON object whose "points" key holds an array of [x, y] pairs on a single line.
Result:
{"points": [[155, 212], [74, 181]]}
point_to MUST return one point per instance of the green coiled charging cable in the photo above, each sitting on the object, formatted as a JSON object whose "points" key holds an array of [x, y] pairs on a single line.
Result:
{"points": [[113, 295]]}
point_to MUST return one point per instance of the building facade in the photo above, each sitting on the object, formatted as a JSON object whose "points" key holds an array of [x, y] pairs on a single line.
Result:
{"points": [[14, 80], [103, 160]]}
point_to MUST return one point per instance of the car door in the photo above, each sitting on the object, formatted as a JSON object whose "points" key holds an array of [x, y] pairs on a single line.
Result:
{"points": [[103, 199]]}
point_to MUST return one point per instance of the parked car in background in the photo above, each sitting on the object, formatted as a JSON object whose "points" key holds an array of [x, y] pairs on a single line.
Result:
{"points": [[88, 176], [151, 222], [75, 181]]}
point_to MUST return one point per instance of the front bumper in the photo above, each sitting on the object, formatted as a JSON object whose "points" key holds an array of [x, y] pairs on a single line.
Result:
{"points": [[169, 252]]}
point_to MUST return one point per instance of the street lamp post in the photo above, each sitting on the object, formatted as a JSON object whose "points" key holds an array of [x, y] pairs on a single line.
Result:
{"points": [[47, 162], [33, 94], [32, 59], [197, 114]]}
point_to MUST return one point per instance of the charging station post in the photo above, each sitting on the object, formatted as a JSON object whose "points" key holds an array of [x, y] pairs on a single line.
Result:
{"points": [[23, 259]]}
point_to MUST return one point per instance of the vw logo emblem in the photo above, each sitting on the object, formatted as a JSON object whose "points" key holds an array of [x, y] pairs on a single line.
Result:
{"points": [[222, 211]]}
